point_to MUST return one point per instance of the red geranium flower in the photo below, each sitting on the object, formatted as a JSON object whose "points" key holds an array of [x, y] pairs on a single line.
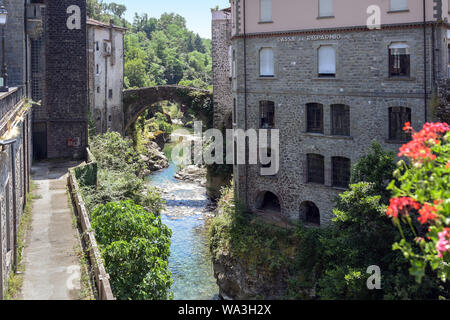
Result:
{"points": [[401, 206]]}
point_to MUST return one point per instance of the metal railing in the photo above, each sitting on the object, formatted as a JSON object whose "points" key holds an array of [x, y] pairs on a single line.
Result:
{"points": [[8, 100]]}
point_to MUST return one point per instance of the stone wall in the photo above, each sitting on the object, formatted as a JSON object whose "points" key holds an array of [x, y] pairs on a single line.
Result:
{"points": [[361, 82], [64, 111], [221, 55]]}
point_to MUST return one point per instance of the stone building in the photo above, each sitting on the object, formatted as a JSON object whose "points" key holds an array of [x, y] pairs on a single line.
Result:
{"points": [[59, 69], [333, 79], [106, 66], [15, 137], [221, 57]]}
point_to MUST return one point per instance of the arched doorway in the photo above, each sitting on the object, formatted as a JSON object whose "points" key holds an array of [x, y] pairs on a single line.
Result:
{"points": [[309, 213], [268, 202]]}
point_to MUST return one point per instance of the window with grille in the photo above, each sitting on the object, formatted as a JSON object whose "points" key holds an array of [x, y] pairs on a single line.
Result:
{"points": [[398, 116], [399, 60], [340, 120], [267, 111], [316, 168], [341, 172], [314, 114], [266, 63]]}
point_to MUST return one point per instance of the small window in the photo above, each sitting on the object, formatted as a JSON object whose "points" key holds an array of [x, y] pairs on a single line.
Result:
{"points": [[234, 111], [326, 8], [97, 69], [398, 116], [97, 47], [110, 93], [341, 172], [340, 120], [316, 168], [267, 110], [266, 10], [399, 60], [98, 89], [327, 61], [266, 63], [233, 67], [314, 115], [399, 5]]}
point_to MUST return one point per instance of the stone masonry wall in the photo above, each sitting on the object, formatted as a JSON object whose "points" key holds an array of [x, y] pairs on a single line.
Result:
{"points": [[361, 82], [65, 97], [221, 42]]}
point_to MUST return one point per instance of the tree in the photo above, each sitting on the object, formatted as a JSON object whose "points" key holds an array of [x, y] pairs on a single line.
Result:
{"points": [[136, 247]]}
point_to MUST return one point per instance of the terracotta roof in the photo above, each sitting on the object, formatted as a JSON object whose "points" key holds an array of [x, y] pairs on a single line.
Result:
{"points": [[93, 22]]}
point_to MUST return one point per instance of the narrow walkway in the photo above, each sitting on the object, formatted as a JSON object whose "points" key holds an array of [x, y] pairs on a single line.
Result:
{"points": [[52, 268]]}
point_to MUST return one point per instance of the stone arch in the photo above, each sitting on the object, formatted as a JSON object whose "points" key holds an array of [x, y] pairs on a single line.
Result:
{"points": [[310, 213], [136, 101], [268, 201]]}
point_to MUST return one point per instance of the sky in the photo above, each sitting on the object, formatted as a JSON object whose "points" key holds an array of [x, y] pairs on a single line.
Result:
{"points": [[196, 12]]}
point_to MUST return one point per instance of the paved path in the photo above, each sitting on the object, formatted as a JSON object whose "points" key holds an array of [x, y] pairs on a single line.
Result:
{"points": [[52, 268]]}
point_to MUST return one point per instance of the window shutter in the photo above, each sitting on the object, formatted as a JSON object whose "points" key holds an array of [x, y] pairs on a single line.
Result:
{"points": [[266, 62], [397, 5], [327, 60], [266, 10], [326, 8]]}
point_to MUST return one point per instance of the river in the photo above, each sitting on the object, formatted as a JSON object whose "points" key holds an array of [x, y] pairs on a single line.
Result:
{"points": [[186, 214]]}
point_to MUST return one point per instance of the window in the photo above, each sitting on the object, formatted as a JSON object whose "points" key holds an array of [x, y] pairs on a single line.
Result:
{"points": [[316, 168], [340, 120], [266, 10], [399, 60], [326, 8], [309, 213], [110, 93], [234, 111], [398, 116], [314, 115], [399, 5], [98, 69], [267, 111], [327, 61], [233, 67], [97, 46], [266, 65], [98, 89], [341, 172]]}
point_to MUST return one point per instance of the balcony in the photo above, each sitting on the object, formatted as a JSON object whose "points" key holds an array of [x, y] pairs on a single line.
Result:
{"points": [[8, 100]]}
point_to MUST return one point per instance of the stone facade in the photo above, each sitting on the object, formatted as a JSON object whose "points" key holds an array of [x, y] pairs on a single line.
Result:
{"points": [[361, 82], [61, 122], [222, 64], [106, 66]]}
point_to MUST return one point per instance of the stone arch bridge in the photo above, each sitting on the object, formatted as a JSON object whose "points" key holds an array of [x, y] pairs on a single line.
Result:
{"points": [[197, 101]]}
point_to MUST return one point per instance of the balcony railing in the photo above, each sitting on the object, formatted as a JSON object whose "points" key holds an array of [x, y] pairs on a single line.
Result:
{"points": [[8, 100]]}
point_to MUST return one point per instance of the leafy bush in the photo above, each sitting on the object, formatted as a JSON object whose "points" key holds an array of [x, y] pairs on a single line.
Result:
{"points": [[422, 200], [135, 246]]}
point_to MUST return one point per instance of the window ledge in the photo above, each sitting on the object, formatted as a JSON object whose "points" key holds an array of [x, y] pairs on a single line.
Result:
{"points": [[325, 17], [265, 22], [398, 11], [324, 186], [326, 79], [400, 79], [388, 141], [267, 78], [319, 135]]}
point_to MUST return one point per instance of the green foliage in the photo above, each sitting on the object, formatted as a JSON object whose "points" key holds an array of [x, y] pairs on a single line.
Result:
{"points": [[136, 247], [376, 167]]}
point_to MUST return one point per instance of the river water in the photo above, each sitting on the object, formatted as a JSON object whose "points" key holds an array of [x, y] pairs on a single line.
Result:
{"points": [[186, 214]]}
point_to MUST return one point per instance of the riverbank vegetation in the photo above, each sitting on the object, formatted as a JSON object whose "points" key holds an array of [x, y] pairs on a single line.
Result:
{"points": [[325, 263]]}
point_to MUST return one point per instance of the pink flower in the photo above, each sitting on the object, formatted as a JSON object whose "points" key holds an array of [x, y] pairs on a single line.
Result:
{"points": [[443, 244]]}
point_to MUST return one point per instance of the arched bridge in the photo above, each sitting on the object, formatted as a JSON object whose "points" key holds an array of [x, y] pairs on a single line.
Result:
{"points": [[136, 101]]}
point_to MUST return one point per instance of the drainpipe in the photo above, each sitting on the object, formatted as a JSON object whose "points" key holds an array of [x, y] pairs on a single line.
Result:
{"points": [[245, 97], [13, 172], [26, 48], [425, 84]]}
